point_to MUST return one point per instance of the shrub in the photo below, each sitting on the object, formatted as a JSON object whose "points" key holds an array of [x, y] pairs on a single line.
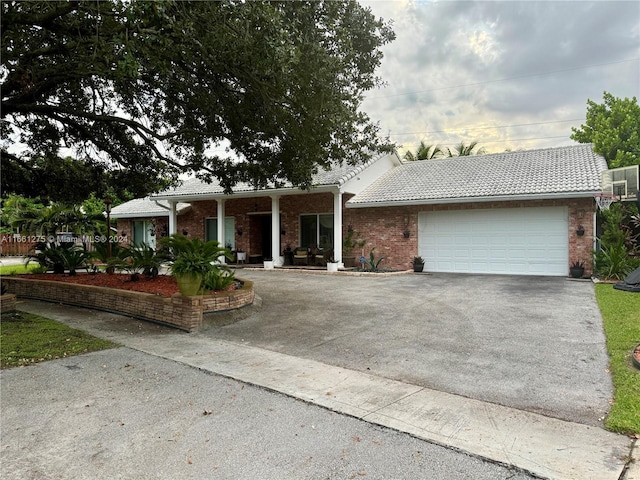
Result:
{"points": [[372, 263], [61, 257], [218, 278], [141, 258], [192, 255], [613, 259]]}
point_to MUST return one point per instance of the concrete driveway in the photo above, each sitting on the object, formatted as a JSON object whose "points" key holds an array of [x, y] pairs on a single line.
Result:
{"points": [[532, 343]]}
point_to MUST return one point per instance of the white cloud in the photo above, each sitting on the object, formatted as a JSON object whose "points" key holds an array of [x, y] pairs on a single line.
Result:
{"points": [[458, 66]]}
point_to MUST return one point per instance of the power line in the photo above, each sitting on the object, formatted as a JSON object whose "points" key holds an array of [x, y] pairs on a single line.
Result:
{"points": [[506, 79], [490, 127], [481, 143]]}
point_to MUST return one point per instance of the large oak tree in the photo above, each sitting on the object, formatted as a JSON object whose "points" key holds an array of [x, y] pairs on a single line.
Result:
{"points": [[243, 91]]}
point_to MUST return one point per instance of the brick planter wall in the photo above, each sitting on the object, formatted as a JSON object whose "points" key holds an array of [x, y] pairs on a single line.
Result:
{"points": [[7, 302], [178, 311]]}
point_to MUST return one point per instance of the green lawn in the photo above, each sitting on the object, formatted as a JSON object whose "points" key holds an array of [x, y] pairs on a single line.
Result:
{"points": [[27, 339], [17, 269], [621, 315]]}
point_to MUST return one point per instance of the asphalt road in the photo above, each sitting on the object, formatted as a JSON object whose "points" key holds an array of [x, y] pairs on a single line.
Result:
{"points": [[122, 414]]}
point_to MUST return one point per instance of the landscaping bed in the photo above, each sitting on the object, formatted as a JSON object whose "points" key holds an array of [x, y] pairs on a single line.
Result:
{"points": [[163, 285], [155, 299]]}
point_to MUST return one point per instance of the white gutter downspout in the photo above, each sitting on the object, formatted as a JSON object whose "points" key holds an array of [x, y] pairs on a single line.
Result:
{"points": [[275, 230], [337, 227]]}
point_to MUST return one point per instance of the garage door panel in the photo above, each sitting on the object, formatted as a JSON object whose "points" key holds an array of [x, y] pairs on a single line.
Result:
{"points": [[504, 241]]}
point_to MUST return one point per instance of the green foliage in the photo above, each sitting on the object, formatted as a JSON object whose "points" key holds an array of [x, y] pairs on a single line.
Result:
{"points": [[14, 207], [29, 339], [188, 255], [58, 258], [284, 86], [20, 269], [464, 150], [71, 180], [47, 222], [140, 258], [614, 129], [372, 263], [613, 262], [418, 261], [352, 241], [49, 257], [425, 152], [620, 312], [75, 257], [619, 239], [218, 278], [115, 258]]}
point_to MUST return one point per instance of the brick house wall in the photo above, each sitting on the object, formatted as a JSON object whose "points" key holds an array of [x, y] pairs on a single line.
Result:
{"points": [[381, 227], [247, 210], [384, 227]]}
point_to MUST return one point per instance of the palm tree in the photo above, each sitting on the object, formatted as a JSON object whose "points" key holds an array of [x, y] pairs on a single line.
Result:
{"points": [[462, 150], [424, 152], [56, 218]]}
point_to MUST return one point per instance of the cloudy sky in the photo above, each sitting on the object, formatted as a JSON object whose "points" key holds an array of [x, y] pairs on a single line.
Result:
{"points": [[511, 75]]}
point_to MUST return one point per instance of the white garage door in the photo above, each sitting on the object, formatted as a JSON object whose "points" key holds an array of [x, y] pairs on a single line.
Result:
{"points": [[520, 241]]}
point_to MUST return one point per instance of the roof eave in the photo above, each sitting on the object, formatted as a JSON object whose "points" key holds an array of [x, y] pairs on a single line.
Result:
{"points": [[248, 194], [140, 214], [494, 198]]}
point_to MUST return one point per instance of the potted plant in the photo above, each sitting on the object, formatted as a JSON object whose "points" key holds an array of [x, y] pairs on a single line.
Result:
{"points": [[349, 244], [418, 264], [191, 259], [332, 265], [576, 269]]}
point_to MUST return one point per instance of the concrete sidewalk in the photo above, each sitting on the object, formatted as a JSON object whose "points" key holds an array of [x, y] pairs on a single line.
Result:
{"points": [[544, 446]]}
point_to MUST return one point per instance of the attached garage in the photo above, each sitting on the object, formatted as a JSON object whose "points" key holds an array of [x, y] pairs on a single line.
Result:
{"points": [[518, 241]]}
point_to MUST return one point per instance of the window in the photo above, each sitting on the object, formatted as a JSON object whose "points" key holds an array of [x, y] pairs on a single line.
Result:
{"points": [[144, 231], [316, 229], [211, 231]]}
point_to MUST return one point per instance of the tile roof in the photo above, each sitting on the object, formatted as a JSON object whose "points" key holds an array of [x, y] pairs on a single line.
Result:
{"points": [[145, 207], [564, 170], [194, 187]]}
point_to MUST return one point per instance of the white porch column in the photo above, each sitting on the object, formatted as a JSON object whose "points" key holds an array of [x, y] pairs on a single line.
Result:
{"points": [[337, 228], [173, 218], [220, 215], [275, 230]]}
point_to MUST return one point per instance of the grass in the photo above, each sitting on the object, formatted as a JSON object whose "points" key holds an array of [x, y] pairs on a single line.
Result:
{"points": [[26, 339], [18, 269], [621, 316]]}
